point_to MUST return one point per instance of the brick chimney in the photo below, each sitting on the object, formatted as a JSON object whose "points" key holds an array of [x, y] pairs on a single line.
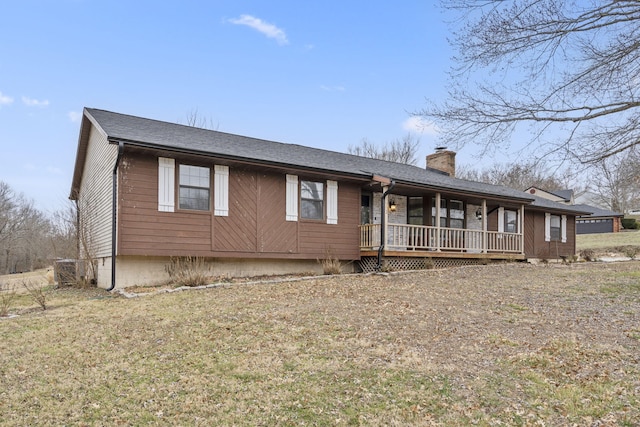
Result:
{"points": [[443, 160]]}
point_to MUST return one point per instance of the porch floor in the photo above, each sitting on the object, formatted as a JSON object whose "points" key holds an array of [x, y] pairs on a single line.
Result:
{"points": [[442, 254]]}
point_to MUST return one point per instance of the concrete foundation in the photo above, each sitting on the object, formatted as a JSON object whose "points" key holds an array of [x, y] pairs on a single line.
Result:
{"points": [[144, 271]]}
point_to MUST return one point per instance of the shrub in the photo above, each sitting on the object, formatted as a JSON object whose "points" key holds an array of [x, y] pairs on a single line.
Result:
{"points": [[631, 251], [188, 271], [630, 224], [587, 254], [330, 263], [428, 264], [7, 295], [37, 292]]}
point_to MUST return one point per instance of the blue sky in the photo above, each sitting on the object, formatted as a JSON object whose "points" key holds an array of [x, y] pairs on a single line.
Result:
{"points": [[324, 74]]}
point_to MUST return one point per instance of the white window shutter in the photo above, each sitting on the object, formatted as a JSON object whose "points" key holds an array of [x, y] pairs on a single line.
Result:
{"points": [[547, 227], [500, 220], [221, 190], [166, 184], [292, 198], [332, 202], [563, 228]]}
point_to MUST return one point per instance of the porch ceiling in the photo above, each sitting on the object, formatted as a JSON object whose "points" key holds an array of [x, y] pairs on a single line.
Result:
{"points": [[475, 199]]}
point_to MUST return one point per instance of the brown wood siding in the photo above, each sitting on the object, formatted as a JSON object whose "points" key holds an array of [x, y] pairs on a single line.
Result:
{"points": [[145, 231], [530, 233], [275, 234], [237, 232], [535, 245], [256, 225], [256, 221], [342, 239]]}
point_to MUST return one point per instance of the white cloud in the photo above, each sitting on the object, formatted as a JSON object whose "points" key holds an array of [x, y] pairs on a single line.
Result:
{"points": [[419, 125], [74, 116], [30, 102], [5, 100], [265, 28]]}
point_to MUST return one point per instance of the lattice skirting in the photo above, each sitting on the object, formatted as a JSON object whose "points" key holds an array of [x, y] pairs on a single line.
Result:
{"points": [[369, 264]]}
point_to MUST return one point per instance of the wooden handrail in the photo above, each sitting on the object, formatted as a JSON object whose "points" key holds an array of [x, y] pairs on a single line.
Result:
{"points": [[424, 237]]}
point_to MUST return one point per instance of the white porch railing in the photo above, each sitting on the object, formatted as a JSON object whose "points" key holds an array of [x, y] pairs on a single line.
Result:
{"points": [[421, 237]]}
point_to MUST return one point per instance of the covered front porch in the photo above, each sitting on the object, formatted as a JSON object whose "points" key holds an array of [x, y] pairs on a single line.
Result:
{"points": [[421, 226], [429, 241]]}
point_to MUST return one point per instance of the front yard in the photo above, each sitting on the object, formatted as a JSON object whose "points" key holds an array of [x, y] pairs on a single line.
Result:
{"points": [[507, 344]]}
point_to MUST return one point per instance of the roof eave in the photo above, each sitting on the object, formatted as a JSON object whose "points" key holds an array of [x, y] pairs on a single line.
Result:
{"points": [[362, 176], [87, 122], [480, 194]]}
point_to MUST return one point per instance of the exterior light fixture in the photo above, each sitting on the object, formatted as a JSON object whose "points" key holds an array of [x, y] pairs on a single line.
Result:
{"points": [[479, 214], [392, 205]]}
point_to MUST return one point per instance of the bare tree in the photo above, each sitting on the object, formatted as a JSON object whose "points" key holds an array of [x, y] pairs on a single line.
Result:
{"points": [[23, 231], [400, 150], [569, 70], [617, 182], [64, 232], [88, 245], [12, 225], [524, 175], [196, 120]]}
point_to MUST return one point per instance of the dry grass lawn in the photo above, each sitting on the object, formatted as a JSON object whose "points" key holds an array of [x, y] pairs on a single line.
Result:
{"points": [[509, 344], [608, 241]]}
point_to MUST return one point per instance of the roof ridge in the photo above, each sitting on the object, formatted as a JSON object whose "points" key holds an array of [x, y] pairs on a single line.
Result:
{"points": [[160, 134]]}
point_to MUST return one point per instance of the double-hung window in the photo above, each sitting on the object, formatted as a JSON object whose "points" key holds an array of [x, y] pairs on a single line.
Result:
{"points": [[312, 200], [193, 183], [195, 187], [308, 199], [555, 227]]}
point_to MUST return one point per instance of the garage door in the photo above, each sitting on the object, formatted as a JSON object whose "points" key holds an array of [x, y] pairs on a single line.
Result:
{"points": [[594, 226]]}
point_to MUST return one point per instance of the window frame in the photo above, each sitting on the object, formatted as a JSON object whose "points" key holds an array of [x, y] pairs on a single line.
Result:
{"points": [[322, 200], [507, 212], [445, 213], [552, 236], [415, 204], [180, 186]]}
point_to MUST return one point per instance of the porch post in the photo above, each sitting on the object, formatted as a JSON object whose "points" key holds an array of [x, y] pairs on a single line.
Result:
{"points": [[521, 228], [383, 226], [484, 226], [385, 216], [437, 224]]}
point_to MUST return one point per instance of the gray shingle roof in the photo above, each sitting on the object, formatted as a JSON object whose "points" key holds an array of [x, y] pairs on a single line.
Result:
{"points": [[565, 194], [597, 212], [170, 136], [546, 204]]}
